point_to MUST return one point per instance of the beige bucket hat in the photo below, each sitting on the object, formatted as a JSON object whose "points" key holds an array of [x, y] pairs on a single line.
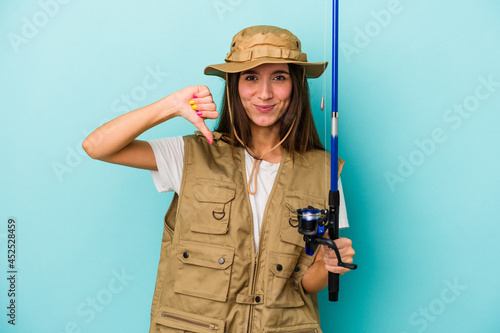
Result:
{"points": [[265, 44]]}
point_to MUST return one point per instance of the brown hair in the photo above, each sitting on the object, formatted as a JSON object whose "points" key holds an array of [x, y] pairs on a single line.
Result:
{"points": [[303, 137]]}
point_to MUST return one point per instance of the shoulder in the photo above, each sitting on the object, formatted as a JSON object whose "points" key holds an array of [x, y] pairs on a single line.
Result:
{"points": [[318, 157], [313, 157], [198, 148], [199, 138]]}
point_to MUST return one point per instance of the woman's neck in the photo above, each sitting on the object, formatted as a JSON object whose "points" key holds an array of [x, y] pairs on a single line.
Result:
{"points": [[263, 140]]}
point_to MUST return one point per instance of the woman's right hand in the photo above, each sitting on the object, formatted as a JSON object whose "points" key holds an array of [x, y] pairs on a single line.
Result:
{"points": [[115, 141], [205, 107]]}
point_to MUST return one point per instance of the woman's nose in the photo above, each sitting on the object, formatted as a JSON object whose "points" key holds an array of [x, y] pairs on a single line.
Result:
{"points": [[265, 91]]}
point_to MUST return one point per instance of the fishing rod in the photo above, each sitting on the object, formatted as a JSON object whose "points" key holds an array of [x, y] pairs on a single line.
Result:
{"points": [[313, 222], [334, 196]]}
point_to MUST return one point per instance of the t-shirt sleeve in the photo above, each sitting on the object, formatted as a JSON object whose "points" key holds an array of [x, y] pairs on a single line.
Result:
{"points": [[343, 222], [169, 155]]}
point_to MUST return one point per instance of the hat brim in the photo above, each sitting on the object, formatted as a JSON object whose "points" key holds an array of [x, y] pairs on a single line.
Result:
{"points": [[313, 69]]}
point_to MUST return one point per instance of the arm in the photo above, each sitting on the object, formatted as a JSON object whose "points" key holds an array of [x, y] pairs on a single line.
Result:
{"points": [[115, 141], [316, 277]]}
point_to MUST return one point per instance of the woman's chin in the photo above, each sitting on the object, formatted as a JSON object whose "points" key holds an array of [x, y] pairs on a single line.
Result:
{"points": [[264, 121]]}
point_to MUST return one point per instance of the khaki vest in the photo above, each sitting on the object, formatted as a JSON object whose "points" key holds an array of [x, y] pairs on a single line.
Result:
{"points": [[210, 279]]}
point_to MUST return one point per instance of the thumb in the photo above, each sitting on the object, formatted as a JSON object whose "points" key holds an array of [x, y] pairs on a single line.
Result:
{"points": [[206, 132]]}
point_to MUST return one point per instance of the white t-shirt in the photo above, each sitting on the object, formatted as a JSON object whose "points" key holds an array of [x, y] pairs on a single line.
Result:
{"points": [[169, 155]]}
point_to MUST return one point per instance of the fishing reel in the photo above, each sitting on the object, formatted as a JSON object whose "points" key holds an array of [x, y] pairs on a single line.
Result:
{"points": [[313, 223]]}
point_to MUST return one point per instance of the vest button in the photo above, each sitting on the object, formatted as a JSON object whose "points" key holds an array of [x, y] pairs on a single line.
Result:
{"points": [[297, 268], [222, 260], [279, 268], [186, 254], [257, 299]]}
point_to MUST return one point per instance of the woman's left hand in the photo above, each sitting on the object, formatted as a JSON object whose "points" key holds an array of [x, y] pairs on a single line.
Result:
{"points": [[330, 258]]}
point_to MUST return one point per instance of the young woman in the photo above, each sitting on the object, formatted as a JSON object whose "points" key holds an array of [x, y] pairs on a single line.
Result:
{"points": [[230, 260]]}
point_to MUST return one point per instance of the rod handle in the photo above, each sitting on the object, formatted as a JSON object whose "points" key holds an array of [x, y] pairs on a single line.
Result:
{"points": [[333, 287]]}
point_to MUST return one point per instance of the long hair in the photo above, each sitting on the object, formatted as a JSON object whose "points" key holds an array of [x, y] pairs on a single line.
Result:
{"points": [[303, 136]]}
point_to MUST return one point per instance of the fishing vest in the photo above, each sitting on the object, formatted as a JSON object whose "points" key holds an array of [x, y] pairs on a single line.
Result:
{"points": [[210, 278]]}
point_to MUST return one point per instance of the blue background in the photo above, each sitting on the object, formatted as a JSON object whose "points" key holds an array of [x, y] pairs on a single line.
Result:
{"points": [[421, 179]]}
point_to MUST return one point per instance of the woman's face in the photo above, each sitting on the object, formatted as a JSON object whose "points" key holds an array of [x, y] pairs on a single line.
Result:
{"points": [[265, 92]]}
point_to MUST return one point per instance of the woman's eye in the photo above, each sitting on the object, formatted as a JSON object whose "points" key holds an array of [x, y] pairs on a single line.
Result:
{"points": [[250, 78], [280, 77]]}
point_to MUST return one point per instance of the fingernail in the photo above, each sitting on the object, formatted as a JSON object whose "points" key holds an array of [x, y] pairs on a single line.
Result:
{"points": [[194, 96], [194, 106], [209, 141], [199, 113], [191, 102]]}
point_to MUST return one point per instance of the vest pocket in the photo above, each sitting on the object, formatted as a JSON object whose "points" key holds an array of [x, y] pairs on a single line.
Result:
{"points": [[283, 288], [212, 203], [169, 320], [204, 270]]}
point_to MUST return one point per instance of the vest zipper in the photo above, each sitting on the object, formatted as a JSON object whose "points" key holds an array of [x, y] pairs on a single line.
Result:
{"points": [[252, 291], [263, 226], [191, 321]]}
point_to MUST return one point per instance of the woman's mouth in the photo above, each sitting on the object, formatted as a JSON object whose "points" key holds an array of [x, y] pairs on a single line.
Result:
{"points": [[265, 108]]}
